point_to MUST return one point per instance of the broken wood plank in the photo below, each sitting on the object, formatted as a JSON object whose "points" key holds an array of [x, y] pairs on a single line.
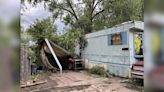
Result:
{"points": [[32, 84], [36, 78]]}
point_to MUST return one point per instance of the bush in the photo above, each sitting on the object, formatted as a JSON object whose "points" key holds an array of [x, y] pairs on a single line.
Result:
{"points": [[98, 70], [33, 57]]}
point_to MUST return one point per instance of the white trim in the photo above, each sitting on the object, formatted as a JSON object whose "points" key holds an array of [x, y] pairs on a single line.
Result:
{"points": [[137, 73]]}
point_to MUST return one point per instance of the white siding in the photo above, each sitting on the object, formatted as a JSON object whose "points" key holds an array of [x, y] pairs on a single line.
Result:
{"points": [[118, 61]]}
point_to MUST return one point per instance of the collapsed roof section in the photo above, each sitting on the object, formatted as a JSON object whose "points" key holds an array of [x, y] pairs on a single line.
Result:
{"points": [[55, 50], [60, 52]]}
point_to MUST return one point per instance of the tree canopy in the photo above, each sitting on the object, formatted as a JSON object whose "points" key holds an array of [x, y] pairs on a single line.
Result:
{"points": [[82, 16], [45, 28], [92, 15], [42, 29]]}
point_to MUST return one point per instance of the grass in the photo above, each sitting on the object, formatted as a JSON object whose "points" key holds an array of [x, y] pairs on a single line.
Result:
{"points": [[113, 74], [100, 71], [24, 83], [127, 77], [135, 82], [32, 77]]}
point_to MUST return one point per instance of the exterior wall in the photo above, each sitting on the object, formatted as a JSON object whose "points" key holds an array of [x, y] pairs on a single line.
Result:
{"points": [[112, 57], [119, 70], [89, 65]]}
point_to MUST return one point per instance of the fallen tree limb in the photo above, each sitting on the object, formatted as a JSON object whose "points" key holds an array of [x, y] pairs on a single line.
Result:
{"points": [[32, 84], [108, 74]]}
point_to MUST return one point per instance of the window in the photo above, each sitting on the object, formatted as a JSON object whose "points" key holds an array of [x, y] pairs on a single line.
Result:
{"points": [[117, 39]]}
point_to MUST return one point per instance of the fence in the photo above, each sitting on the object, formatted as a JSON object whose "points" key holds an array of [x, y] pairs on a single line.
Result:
{"points": [[25, 64]]}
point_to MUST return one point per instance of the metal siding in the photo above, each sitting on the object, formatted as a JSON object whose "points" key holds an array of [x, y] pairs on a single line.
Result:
{"points": [[118, 70], [126, 60]]}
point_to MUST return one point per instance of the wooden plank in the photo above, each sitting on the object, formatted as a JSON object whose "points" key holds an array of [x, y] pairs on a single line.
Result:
{"points": [[32, 84]]}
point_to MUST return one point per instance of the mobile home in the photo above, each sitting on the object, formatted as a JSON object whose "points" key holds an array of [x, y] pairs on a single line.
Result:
{"points": [[115, 48]]}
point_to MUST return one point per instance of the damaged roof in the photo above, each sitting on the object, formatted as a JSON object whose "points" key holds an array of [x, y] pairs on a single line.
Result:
{"points": [[59, 51]]}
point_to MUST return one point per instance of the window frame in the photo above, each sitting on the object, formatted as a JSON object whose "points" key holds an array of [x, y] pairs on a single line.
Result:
{"points": [[138, 56], [120, 37]]}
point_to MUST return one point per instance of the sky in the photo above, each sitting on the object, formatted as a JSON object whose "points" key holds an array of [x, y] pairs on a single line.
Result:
{"points": [[38, 12]]}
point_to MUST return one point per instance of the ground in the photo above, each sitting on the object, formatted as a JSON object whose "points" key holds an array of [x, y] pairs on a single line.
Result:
{"points": [[82, 81]]}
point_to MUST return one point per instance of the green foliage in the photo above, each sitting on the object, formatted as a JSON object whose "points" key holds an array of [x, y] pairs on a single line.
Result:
{"points": [[45, 28], [113, 74], [122, 11], [82, 16], [98, 70], [33, 56], [93, 15], [127, 77], [136, 82], [40, 30], [32, 77]]}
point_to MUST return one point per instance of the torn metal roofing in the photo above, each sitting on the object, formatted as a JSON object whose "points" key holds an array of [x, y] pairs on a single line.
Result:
{"points": [[60, 52]]}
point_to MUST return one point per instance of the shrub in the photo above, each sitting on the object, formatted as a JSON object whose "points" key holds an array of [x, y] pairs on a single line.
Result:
{"points": [[98, 70], [33, 57]]}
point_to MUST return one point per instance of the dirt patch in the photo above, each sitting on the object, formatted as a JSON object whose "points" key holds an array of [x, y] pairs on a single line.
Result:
{"points": [[42, 77], [134, 88], [136, 84], [87, 83], [64, 89]]}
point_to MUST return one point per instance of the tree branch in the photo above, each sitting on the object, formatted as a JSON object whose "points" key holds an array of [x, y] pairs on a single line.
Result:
{"points": [[104, 18], [98, 13], [67, 10], [72, 10], [96, 5], [92, 7]]}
